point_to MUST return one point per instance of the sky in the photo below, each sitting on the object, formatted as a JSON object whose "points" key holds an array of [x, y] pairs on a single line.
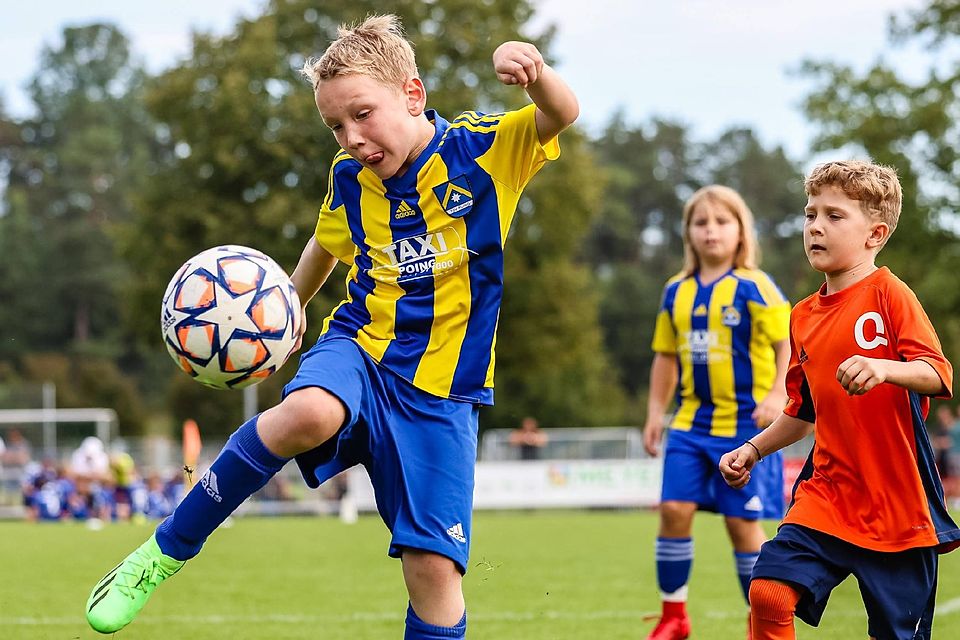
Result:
{"points": [[710, 64]]}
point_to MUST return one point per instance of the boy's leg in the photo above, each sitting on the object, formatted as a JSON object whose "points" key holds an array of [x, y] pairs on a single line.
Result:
{"points": [[245, 464], [423, 458], [811, 563], [772, 607], [436, 594], [899, 591]]}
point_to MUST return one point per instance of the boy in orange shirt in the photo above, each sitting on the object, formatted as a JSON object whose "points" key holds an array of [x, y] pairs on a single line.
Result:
{"points": [[864, 362]]}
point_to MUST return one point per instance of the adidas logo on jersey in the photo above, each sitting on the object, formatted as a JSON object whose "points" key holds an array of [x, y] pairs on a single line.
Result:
{"points": [[209, 484], [404, 211], [701, 310], [456, 532], [754, 504]]}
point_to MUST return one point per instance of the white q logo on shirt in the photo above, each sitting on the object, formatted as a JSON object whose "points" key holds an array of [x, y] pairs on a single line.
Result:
{"points": [[858, 331]]}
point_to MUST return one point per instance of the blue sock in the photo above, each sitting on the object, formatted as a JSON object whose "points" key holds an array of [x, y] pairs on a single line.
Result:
{"points": [[417, 629], [674, 560], [745, 562], [242, 468]]}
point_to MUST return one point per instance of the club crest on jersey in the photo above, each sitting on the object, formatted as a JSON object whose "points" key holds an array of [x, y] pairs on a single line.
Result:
{"points": [[425, 255], [455, 196], [730, 317]]}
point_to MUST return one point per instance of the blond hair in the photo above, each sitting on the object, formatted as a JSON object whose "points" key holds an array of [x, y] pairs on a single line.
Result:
{"points": [[375, 48], [875, 186], [748, 253]]}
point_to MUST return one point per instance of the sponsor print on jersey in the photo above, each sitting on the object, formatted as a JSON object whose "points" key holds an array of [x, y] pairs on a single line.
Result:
{"points": [[455, 196], [425, 255], [704, 347]]}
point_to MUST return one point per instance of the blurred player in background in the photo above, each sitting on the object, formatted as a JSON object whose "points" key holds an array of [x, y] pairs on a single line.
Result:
{"points": [[865, 361], [721, 343], [419, 208]]}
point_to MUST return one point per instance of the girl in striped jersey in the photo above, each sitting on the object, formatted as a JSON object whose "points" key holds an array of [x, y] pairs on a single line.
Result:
{"points": [[720, 343]]}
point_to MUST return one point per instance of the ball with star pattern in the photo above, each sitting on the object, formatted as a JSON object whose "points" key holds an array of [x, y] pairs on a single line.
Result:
{"points": [[230, 317]]}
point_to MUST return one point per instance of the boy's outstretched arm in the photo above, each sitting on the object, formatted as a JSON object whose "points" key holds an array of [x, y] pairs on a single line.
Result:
{"points": [[735, 465], [521, 63]]}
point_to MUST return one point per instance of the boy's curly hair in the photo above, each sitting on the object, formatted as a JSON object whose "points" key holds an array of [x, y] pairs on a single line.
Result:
{"points": [[875, 186]]}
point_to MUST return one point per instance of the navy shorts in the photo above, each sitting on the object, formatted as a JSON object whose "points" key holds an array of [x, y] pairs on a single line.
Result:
{"points": [[898, 589], [419, 450], [691, 473]]}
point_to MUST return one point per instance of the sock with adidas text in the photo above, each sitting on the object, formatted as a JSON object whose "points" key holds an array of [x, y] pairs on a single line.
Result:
{"points": [[745, 562], [674, 561], [417, 629], [242, 468]]}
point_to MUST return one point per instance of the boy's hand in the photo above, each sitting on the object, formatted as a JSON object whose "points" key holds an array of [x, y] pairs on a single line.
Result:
{"points": [[859, 374], [735, 465], [303, 330], [517, 63]]}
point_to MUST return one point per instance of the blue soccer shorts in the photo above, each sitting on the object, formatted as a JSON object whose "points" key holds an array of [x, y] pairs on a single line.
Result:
{"points": [[898, 588], [419, 450], [691, 473]]}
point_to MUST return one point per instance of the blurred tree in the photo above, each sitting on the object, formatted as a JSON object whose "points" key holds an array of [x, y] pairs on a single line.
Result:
{"points": [[636, 243], [249, 161], [84, 381], [551, 360], [772, 186], [73, 170], [914, 128]]}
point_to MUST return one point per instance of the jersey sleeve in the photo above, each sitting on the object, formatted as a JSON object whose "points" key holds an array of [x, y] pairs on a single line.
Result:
{"points": [[916, 339], [664, 334], [773, 315], [516, 153], [333, 230], [799, 400]]}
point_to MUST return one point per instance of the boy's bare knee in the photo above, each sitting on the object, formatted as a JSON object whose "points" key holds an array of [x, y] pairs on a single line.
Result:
{"points": [[305, 419], [435, 587]]}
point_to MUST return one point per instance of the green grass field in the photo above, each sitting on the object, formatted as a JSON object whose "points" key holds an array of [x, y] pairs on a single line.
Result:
{"points": [[533, 576]]}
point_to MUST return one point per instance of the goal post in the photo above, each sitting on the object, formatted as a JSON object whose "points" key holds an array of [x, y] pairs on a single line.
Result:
{"points": [[104, 421]]}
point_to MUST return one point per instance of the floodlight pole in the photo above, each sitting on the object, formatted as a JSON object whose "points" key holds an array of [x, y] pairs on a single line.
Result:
{"points": [[49, 421], [249, 402]]}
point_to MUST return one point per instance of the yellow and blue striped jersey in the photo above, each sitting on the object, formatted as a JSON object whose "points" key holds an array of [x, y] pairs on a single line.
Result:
{"points": [[426, 249], [722, 335]]}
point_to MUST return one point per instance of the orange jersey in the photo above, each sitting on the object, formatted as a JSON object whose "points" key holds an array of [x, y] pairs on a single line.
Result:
{"points": [[870, 479]]}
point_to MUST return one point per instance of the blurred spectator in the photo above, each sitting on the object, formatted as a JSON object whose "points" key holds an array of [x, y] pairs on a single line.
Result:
{"points": [[90, 460], [42, 497], [941, 437], [124, 481], [15, 453], [529, 438], [160, 501], [277, 488]]}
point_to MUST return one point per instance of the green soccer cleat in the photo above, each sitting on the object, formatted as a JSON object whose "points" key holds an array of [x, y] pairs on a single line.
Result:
{"points": [[119, 596]]}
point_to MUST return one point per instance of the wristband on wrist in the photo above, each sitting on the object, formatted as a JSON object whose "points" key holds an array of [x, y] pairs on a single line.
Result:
{"points": [[755, 448]]}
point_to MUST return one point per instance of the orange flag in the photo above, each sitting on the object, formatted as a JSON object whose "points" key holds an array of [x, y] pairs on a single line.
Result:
{"points": [[191, 449]]}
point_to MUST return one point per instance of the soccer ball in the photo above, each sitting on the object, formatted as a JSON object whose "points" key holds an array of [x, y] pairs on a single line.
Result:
{"points": [[230, 317]]}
